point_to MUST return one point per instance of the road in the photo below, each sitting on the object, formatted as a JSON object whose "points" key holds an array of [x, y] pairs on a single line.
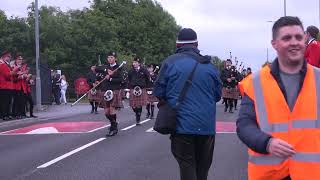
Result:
{"points": [[83, 152]]}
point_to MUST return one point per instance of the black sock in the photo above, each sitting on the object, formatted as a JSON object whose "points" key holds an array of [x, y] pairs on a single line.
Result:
{"points": [[152, 109], [96, 106], [92, 105], [148, 108]]}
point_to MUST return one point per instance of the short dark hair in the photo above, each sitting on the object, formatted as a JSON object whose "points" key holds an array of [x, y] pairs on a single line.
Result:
{"points": [[313, 31], [285, 21], [5, 53], [18, 55]]}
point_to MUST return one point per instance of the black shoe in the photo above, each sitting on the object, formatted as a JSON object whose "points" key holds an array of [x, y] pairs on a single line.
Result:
{"points": [[151, 117], [230, 111], [225, 109], [112, 132], [33, 116], [92, 111], [148, 115], [6, 118]]}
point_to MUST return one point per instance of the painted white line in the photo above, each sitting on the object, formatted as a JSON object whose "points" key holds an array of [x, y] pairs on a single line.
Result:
{"points": [[226, 132], [132, 126], [70, 153], [94, 130], [150, 130]]}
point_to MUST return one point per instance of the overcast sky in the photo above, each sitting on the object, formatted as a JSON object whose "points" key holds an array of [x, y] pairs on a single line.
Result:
{"points": [[222, 26]]}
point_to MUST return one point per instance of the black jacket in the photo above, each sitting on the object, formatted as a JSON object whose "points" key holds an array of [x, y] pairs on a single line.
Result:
{"points": [[91, 78], [247, 127], [138, 78], [114, 83]]}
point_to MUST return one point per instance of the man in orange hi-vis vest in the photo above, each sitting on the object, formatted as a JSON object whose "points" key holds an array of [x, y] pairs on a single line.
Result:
{"points": [[279, 118]]}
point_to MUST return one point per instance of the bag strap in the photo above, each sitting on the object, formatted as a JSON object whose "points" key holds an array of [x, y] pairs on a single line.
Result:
{"points": [[188, 82]]}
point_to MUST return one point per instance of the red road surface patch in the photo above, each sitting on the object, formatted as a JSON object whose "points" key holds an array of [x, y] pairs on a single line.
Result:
{"points": [[225, 127], [58, 127]]}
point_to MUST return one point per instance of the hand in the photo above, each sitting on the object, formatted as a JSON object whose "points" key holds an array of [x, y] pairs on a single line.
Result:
{"points": [[229, 79], [280, 148], [107, 77], [110, 72], [233, 78]]}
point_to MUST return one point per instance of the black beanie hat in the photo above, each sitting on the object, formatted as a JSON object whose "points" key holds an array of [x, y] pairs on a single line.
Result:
{"points": [[112, 53], [187, 36], [137, 59]]}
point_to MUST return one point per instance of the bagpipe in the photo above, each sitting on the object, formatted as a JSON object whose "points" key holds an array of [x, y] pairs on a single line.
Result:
{"points": [[93, 89]]}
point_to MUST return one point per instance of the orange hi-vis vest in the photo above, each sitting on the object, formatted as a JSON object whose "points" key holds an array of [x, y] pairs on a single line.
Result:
{"points": [[300, 128]]}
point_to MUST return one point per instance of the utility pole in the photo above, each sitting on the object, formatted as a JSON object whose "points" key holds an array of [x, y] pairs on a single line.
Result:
{"points": [[285, 8], [38, 80]]}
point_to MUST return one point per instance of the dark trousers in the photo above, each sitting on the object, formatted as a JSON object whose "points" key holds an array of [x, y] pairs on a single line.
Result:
{"points": [[228, 104], [5, 101], [193, 154], [19, 103], [57, 95], [28, 99]]}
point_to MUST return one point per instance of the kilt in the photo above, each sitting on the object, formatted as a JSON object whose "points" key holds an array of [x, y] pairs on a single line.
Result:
{"points": [[138, 101], [151, 98], [95, 97], [229, 92], [236, 94], [116, 102]]}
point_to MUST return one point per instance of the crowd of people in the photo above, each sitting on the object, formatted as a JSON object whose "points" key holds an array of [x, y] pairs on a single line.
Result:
{"points": [[59, 87], [15, 91], [109, 86]]}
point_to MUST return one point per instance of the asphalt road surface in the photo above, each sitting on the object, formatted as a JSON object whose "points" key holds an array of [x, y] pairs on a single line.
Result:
{"points": [[76, 148]]}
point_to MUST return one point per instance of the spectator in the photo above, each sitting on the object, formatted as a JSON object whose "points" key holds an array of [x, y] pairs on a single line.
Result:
{"points": [[312, 54], [63, 87], [193, 143]]}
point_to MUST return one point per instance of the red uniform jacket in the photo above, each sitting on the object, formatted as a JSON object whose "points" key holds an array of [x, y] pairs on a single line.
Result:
{"points": [[5, 76], [312, 53], [20, 80]]}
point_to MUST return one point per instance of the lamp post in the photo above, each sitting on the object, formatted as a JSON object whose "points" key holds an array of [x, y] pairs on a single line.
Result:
{"points": [[285, 7], [38, 80], [267, 47]]}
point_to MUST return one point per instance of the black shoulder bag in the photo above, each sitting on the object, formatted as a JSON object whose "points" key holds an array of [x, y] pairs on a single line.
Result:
{"points": [[166, 119]]}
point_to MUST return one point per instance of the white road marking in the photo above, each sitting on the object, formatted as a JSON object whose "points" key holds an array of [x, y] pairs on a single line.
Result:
{"points": [[227, 132], [150, 130], [129, 127], [70, 153], [94, 130]]}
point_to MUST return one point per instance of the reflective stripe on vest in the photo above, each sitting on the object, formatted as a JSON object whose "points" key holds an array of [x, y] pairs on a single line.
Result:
{"points": [[284, 127], [272, 160]]}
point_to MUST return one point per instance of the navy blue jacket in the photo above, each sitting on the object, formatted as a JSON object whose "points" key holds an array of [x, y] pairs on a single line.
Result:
{"points": [[247, 127], [197, 112]]}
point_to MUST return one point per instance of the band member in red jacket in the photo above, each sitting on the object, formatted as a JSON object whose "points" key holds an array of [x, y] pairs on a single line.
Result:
{"points": [[20, 87], [312, 53], [6, 85]]}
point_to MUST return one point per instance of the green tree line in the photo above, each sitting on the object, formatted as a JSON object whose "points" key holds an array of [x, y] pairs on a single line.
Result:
{"points": [[74, 40]]}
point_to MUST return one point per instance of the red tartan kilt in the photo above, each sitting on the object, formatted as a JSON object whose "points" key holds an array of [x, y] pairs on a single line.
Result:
{"points": [[116, 102], [95, 97], [138, 101], [151, 98], [236, 94], [229, 93]]}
